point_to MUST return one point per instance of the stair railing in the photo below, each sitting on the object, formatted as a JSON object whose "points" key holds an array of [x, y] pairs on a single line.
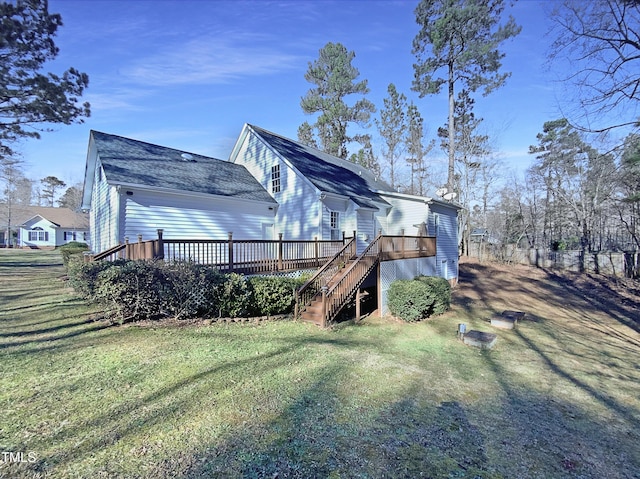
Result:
{"points": [[339, 294], [306, 293]]}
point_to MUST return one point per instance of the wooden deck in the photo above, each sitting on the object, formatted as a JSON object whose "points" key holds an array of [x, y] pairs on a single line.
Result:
{"points": [[340, 270], [262, 256], [230, 255]]}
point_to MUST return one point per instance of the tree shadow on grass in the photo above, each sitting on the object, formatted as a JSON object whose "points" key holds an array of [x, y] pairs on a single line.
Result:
{"points": [[137, 414], [600, 296], [46, 336], [314, 437], [545, 436]]}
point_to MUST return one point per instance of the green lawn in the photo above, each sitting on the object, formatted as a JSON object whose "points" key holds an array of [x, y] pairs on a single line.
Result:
{"points": [[557, 397]]}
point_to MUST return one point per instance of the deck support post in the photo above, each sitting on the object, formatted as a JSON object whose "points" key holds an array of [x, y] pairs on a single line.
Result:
{"points": [[230, 251], [159, 253], [280, 251], [137, 249], [317, 251], [323, 319]]}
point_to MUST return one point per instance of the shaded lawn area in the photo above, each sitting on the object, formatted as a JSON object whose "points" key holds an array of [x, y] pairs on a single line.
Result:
{"points": [[558, 397]]}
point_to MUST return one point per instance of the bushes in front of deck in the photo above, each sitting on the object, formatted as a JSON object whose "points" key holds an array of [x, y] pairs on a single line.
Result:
{"points": [[71, 249], [416, 299], [138, 290]]}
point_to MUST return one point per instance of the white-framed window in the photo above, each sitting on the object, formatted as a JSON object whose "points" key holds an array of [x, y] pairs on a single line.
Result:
{"points": [[334, 225], [436, 224], [275, 179], [38, 234], [69, 235]]}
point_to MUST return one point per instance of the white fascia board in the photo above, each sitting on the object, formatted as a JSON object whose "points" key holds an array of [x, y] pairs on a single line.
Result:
{"points": [[238, 144], [425, 199], [333, 196], [89, 174], [405, 196]]}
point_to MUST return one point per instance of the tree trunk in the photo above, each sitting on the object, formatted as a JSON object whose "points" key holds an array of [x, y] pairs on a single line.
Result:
{"points": [[452, 146]]}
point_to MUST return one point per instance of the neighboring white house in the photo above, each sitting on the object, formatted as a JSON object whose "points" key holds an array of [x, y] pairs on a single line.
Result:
{"points": [[322, 196], [134, 188], [46, 228]]}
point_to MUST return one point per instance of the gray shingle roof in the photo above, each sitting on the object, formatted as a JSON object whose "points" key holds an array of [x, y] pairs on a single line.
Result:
{"points": [[61, 217], [328, 173], [133, 162]]}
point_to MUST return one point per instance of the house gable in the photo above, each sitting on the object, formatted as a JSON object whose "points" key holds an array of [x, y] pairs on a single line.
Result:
{"points": [[326, 172]]}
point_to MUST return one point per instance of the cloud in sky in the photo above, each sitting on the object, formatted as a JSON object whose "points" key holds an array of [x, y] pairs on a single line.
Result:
{"points": [[209, 61]]}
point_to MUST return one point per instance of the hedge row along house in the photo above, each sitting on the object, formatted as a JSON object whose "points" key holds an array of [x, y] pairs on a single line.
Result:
{"points": [[276, 198]]}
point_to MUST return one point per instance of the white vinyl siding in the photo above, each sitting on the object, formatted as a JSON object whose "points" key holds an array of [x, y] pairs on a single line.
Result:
{"points": [[186, 217], [103, 217], [365, 229], [405, 214], [444, 222], [38, 233], [299, 214]]}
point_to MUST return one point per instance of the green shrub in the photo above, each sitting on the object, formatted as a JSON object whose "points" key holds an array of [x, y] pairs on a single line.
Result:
{"points": [[83, 277], [441, 290], [272, 294], [409, 299], [133, 290], [191, 289], [71, 249], [233, 296], [413, 300]]}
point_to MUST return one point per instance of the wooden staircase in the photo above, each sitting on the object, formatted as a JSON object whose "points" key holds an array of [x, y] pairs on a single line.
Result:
{"points": [[313, 312], [332, 287]]}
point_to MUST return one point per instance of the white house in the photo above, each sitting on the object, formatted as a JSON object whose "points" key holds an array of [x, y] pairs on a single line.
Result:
{"points": [[46, 228], [321, 196], [134, 188], [270, 186]]}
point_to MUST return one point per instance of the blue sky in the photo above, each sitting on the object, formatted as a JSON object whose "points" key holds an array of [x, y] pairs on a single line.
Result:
{"points": [[189, 74]]}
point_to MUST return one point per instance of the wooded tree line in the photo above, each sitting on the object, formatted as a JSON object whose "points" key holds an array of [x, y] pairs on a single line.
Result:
{"points": [[582, 191]]}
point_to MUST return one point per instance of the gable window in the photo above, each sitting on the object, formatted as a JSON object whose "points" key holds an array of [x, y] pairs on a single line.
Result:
{"points": [[38, 234], [275, 179], [334, 225]]}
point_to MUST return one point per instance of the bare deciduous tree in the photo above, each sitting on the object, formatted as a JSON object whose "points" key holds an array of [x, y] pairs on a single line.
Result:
{"points": [[600, 39]]}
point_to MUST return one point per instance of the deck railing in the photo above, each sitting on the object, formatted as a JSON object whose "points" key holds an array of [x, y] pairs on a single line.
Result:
{"points": [[230, 255], [335, 287], [336, 296], [340, 271]]}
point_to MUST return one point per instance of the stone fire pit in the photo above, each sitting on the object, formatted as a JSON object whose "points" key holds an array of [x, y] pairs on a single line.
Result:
{"points": [[507, 320], [480, 339]]}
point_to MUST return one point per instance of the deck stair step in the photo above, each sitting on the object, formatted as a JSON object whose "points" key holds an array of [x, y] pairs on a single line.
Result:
{"points": [[313, 312]]}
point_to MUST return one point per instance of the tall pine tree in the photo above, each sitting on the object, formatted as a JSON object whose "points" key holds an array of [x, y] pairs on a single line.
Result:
{"points": [[30, 99], [458, 43], [334, 78]]}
